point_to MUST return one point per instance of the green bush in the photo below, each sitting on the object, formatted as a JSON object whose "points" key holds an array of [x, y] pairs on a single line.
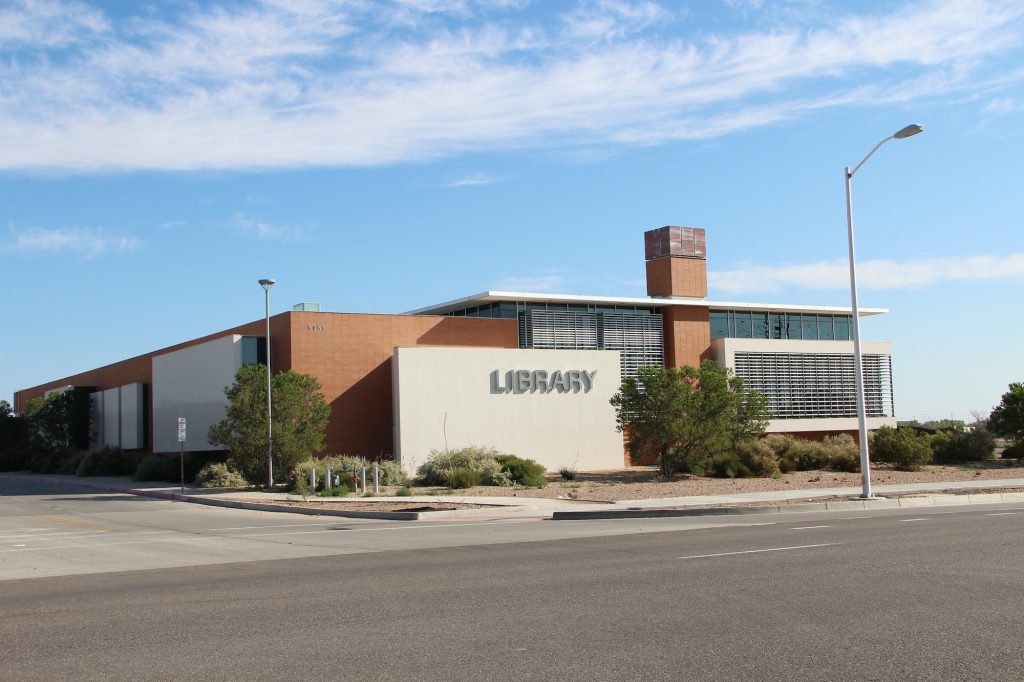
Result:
{"points": [[49, 461], [727, 465], [837, 453], [758, 459], [525, 472], [567, 473], [218, 475], [976, 445], [15, 457], [70, 463], [1014, 452], [403, 492], [340, 490], [843, 452], [108, 462], [157, 468], [440, 463], [905, 449], [461, 477]]}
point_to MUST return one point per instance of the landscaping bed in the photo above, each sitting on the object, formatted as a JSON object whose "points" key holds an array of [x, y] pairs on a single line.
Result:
{"points": [[643, 483], [365, 504]]}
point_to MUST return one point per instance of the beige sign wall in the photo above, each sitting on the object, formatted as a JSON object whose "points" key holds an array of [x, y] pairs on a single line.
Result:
{"points": [[548, 405]]}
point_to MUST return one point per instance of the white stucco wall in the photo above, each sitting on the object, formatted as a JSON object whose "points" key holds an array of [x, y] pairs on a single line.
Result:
{"points": [[132, 415], [112, 418], [448, 395], [190, 383]]}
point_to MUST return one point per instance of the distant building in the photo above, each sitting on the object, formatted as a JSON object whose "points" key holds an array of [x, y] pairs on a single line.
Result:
{"points": [[526, 373]]}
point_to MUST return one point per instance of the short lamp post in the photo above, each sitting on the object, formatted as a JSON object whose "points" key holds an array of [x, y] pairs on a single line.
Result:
{"points": [[862, 422], [266, 284]]}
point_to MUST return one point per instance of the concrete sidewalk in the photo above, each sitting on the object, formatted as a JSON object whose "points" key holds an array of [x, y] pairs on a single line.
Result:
{"points": [[920, 494]]}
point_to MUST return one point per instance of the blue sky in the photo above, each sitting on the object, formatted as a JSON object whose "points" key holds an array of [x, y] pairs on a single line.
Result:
{"points": [[157, 159]]}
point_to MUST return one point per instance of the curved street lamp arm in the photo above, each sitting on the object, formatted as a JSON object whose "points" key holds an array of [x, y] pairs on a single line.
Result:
{"points": [[857, 167]]}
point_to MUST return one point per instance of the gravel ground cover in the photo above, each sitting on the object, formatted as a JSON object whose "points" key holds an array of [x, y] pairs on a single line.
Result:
{"points": [[359, 504], [643, 483]]}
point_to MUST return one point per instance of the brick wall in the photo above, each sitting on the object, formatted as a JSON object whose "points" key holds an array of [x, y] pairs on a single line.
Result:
{"points": [[687, 335]]}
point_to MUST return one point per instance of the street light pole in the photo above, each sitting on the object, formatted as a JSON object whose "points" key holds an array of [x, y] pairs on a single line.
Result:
{"points": [[266, 284], [858, 359]]}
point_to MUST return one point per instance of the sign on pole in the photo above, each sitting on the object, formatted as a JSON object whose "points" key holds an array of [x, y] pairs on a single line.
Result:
{"points": [[181, 450]]}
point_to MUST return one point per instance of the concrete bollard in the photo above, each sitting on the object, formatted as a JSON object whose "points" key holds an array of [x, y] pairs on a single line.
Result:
{"points": [[364, 479], [312, 480], [328, 481], [376, 478]]}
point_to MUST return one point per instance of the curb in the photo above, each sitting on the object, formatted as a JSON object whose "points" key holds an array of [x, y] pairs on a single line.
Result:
{"points": [[840, 505], [213, 502]]}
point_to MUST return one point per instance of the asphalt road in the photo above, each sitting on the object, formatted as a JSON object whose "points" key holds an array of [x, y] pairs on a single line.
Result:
{"points": [[904, 594]]}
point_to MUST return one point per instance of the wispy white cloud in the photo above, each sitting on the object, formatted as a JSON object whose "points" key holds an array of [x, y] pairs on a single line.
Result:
{"points": [[472, 179], [87, 242], [871, 275], [287, 83], [540, 283], [255, 226]]}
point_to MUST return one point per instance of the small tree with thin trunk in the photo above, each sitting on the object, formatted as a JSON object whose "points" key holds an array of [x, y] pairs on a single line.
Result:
{"points": [[300, 416]]}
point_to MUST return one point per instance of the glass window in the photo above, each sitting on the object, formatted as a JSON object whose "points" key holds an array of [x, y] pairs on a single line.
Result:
{"points": [[719, 324], [506, 309], [776, 326], [793, 328], [842, 323], [825, 328], [810, 326], [760, 325], [743, 325]]}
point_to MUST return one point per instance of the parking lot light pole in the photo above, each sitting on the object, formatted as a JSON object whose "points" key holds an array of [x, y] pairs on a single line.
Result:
{"points": [[858, 360], [266, 284]]}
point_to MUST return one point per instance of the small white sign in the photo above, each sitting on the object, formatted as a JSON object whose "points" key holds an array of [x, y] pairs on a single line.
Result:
{"points": [[181, 429]]}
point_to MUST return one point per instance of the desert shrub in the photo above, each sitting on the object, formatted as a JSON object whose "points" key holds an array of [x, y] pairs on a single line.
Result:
{"points": [[461, 477], [43, 461], [346, 466], [15, 457], [340, 490], [963, 446], [435, 471], [157, 468], [905, 449], [842, 452], [523, 471], [70, 463], [728, 465], [757, 458], [403, 492], [1014, 451], [108, 462], [218, 475], [567, 473]]}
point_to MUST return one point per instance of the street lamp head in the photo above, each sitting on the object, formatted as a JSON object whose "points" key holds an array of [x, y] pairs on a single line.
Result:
{"points": [[267, 282], [910, 130]]}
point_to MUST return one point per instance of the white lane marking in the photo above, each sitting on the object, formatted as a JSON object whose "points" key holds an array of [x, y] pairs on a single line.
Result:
{"points": [[1001, 514], [375, 528], [757, 551], [112, 544], [906, 520], [74, 535], [809, 527]]}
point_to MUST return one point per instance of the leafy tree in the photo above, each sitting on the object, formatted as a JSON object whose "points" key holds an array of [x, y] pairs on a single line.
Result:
{"points": [[1007, 418], [300, 416], [688, 415], [59, 421]]}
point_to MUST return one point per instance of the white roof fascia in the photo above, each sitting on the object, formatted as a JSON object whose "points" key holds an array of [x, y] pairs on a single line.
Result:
{"points": [[646, 301]]}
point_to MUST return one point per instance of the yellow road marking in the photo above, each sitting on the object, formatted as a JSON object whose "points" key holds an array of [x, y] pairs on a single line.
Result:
{"points": [[72, 522]]}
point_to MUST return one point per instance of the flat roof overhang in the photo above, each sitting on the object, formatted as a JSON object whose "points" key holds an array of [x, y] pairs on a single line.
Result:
{"points": [[641, 301]]}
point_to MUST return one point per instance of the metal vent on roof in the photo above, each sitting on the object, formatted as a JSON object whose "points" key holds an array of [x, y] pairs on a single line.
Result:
{"points": [[306, 308]]}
